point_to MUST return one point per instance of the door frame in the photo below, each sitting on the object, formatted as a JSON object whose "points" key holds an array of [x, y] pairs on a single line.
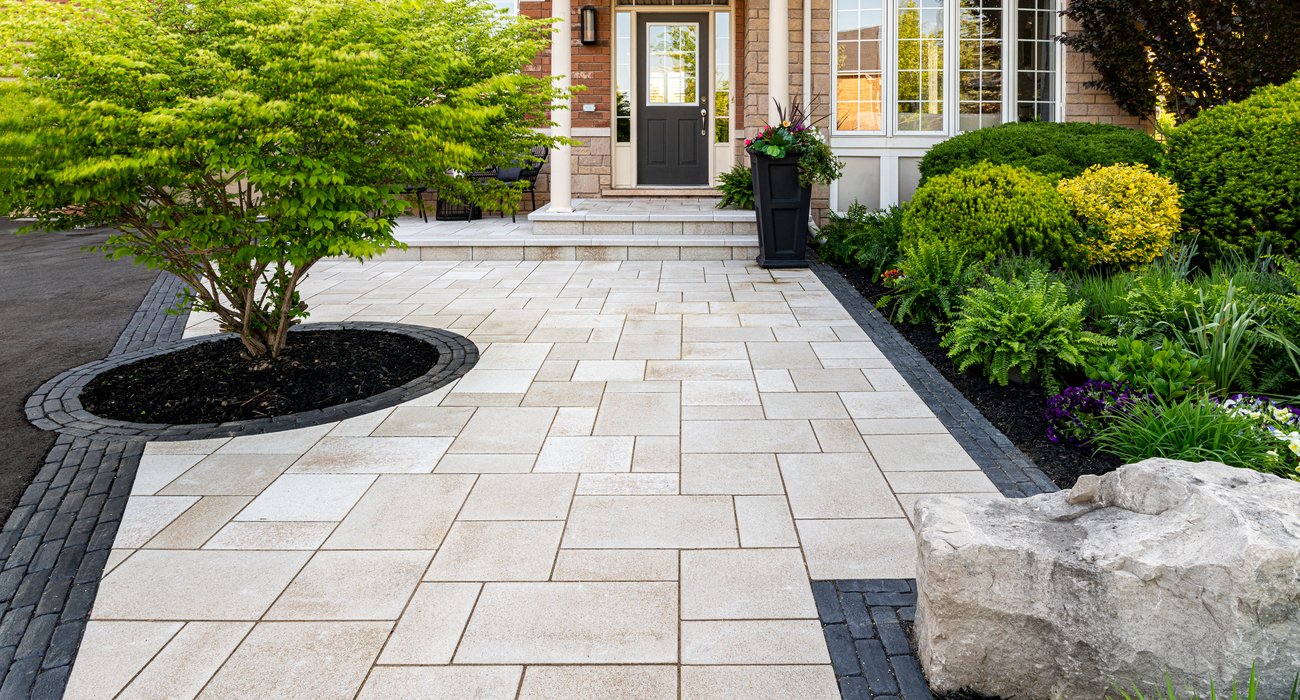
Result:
{"points": [[628, 150]]}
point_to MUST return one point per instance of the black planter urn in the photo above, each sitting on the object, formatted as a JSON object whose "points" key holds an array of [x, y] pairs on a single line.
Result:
{"points": [[782, 205]]}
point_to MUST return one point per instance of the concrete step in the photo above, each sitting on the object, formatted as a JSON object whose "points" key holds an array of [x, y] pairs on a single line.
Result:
{"points": [[667, 192]]}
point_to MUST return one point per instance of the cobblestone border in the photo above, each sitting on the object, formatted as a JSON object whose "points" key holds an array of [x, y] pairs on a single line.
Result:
{"points": [[56, 406], [862, 621], [1005, 465]]}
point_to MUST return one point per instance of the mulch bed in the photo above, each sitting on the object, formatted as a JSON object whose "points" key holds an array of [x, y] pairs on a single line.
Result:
{"points": [[1015, 409], [212, 383]]}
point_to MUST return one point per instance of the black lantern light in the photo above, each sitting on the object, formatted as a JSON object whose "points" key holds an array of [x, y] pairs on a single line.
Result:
{"points": [[587, 26]]}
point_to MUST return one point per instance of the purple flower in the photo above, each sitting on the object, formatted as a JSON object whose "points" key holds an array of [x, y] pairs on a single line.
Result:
{"points": [[1075, 415]]}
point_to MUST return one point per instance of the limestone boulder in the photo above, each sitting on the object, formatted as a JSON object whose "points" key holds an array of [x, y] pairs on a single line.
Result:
{"points": [[1158, 567]]}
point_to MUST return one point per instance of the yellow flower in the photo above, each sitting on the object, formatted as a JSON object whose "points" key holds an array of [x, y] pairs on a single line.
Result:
{"points": [[785, 124], [1295, 448]]}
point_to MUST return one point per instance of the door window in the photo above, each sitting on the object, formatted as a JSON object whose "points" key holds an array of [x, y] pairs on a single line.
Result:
{"points": [[671, 70]]}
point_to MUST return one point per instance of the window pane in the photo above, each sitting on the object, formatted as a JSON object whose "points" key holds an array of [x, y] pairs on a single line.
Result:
{"points": [[623, 77], [722, 77], [1035, 60], [670, 64], [980, 83], [857, 65], [920, 65]]}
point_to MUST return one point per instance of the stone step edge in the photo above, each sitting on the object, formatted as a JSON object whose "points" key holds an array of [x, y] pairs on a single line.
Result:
{"points": [[678, 241]]}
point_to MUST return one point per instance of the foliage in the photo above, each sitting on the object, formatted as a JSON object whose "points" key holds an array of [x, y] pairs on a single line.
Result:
{"points": [[1226, 340], [737, 188], [929, 283], [1251, 691], [1281, 423], [1191, 429], [1016, 267], [1238, 167], [1024, 324], [236, 143], [1157, 303], [1054, 150], [1170, 372], [793, 134], [1132, 212], [989, 210], [1187, 54], [1077, 414], [862, 238]]}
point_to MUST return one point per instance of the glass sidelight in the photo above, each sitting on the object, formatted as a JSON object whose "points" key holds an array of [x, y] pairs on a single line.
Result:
{"points": [[672, 76], [721, 77], [623, 77]]}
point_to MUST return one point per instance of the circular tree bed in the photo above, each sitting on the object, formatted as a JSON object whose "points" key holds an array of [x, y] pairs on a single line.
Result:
{"points": [[215, 383]]}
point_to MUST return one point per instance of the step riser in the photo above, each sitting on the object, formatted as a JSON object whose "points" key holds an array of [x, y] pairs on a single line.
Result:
{"points": [[644, 228], [570, 252]]}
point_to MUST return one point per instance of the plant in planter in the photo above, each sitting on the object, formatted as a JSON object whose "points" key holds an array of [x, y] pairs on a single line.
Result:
{"points": [[737, 188], [787, 159], [237, 143]]}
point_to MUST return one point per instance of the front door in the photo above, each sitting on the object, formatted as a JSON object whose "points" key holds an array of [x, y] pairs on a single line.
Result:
{"points": [[673, 117]]}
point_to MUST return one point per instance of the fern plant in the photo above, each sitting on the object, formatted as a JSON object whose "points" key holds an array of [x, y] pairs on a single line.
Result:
{"points": [[1023, 324], [737, 188], [862, 238], [929, 283]]}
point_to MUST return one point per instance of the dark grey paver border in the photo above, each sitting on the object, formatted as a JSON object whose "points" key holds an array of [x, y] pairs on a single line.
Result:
{"points": [[1006, 466], [56, 406], [869, 650]]}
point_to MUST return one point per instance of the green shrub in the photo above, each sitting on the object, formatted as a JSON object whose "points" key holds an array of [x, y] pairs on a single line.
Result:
{"points": [[1154, 306], [1027, 325], [1132, 212], [1238, 166], [863, 238], [990, 210], [1053, 149], [737, 188], [929, 283], [1170, 372], [1105, 296], [1225, 338], [1191, 429], [1015, 267]]}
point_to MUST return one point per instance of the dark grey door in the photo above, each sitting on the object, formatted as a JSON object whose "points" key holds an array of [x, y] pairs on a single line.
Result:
{"points": [[673, 84]]}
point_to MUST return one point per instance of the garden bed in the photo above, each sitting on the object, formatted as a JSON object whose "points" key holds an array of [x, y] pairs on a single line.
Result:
{"points": [[1016, 409], [212, 383]]}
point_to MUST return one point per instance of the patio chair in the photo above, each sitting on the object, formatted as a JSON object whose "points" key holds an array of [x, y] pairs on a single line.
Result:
{"points": [[526, 172], [418, 191]]}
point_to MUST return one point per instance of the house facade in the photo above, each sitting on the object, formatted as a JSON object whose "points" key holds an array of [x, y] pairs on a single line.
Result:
{"points": [[672, 88]]}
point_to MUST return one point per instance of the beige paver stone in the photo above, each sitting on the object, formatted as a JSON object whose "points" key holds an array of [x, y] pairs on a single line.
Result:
{"points": [[650, 522], [495, 381], [628, 484], [753, 642], [564, 394], [731, 474], [567, 623], [648, 347], [586, 454], [520, 497], [744, 584], [434, 682], [714, 351], [115, 557], [656, 453], [196, 525], [899, 426], [271, 535], [638, 414], [782, 356], [765, 521], [573, 421], [291, 442], [196, 585], [786, 406], [360, 426], [158, 470], [830, 380], [185, 447], [920, 453], [186, 664], [886, 380], [292, 660], [112, 653], [698, 370], [352, 585], [616, 565], [510, 430], [838, 436], [774, 380], [582, 351], [876, 548], [940, 482], [720, 393], [485, 464], [496, 550], [512, 356], [609, 370], [431, 625], [837, 486], [748, 436], [373, 455], [308, 497], [424, 421], [885, 404], [759, 683], [229, 475], [146, 516], [606, 682], [403, 511]]}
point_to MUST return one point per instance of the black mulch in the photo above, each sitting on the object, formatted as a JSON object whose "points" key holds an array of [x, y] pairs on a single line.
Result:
{"points": [[1015, 409], [213, 383]]}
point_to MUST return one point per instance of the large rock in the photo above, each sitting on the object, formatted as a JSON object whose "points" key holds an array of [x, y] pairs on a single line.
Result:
{"points": [[1159, 567]]}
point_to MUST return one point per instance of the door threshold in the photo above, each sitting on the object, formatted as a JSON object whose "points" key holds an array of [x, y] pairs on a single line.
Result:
{"points": [[661, 191]]}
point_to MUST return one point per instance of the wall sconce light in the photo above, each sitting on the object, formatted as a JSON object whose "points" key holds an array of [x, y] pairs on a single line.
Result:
{"points": [[587, 26]]}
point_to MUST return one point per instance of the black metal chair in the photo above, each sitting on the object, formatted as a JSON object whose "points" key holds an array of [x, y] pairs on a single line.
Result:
{"points": [[418, 191], [526, 172]]}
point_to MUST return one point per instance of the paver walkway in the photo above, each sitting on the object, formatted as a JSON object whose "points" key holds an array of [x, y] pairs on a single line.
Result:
{"points": [[626, 498]]}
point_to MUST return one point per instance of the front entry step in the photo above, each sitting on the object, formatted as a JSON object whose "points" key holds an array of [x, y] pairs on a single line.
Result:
{"points": [[665, 192]]}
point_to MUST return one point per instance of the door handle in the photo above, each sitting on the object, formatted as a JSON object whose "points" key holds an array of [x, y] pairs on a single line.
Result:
{"points": [[704, 118]]}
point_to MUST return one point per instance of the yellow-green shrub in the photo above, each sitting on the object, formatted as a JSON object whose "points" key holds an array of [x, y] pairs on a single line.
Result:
{"points": [[1132, 213]]}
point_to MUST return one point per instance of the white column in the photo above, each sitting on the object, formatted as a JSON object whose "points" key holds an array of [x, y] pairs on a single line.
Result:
{"points": [[778, 56], [561, 57], [807, 57]]}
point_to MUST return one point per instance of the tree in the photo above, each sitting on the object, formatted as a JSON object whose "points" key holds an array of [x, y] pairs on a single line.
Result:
{"points": [[235, 143], [1190, 54]]}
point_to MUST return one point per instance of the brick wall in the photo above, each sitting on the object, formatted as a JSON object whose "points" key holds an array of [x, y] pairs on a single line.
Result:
{"points": [[1088, 104]]}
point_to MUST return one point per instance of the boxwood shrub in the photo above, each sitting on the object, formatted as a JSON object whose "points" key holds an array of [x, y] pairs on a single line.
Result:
{"points": [[988, 210], [1054, 150], [1238, 166]]}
